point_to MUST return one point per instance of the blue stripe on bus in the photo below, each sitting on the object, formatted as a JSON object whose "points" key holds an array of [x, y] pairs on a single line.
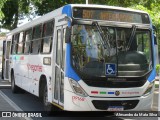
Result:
{"points": [[152, 75], [110, 92], [69, 70], [67, 10]]}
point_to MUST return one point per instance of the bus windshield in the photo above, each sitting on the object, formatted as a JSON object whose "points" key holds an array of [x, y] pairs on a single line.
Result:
{"points": [[128, 48]]}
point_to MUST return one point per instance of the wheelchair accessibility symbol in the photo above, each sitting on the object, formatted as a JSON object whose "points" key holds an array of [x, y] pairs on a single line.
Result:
{"points": [[110, 69]]}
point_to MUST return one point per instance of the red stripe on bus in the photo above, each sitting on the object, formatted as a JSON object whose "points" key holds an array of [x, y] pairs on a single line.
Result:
{"points": [[94, 92]]}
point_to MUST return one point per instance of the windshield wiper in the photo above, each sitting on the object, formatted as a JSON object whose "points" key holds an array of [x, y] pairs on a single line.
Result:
{"points": [[105, 40], [134, 27]]}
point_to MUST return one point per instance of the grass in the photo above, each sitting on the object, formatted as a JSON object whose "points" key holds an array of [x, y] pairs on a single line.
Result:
{"points": [[156, 85]]}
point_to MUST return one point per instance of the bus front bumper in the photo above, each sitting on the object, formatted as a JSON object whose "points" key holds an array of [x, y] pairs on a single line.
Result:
{"points": [[75, 102]]}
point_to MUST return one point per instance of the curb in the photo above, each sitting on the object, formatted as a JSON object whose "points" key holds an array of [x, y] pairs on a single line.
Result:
{"points": [[5, 86]]}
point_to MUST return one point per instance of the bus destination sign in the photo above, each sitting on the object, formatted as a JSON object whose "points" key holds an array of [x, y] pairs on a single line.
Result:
{"points": [[110, 15]]}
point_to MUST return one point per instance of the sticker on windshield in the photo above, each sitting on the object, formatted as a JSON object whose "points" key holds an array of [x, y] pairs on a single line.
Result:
{"points": [[110, 69]]}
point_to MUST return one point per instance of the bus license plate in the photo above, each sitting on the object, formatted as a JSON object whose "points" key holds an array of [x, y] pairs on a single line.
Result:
{"points": [[115, 108]]}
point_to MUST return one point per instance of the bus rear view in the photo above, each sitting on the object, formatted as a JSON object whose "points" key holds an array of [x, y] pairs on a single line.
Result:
{"points": [[110, 59]]}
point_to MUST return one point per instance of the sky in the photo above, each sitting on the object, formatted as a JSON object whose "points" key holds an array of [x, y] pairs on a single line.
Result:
{"points": [[3, 30]]}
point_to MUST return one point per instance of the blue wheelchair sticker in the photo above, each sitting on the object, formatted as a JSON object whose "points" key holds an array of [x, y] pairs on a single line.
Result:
{"points": [[110, 69]]}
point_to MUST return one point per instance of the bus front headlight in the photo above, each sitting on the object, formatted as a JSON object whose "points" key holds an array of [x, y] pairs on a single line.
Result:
{"points": [[149, 89], [77, 88]]}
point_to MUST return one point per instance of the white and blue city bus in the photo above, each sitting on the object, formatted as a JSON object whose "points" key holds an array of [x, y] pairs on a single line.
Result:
{"points": [[86, 58]]}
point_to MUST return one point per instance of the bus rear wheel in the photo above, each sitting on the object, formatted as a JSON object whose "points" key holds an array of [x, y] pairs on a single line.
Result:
{"points": [[48, 107], [14, 88]]}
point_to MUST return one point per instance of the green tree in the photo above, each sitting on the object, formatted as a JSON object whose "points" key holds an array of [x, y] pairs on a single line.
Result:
{"points": [[12, 10], [46, 6], [155, 16], [1, 5]]}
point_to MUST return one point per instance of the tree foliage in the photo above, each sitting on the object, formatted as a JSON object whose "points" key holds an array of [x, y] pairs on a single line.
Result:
{"points": [[11, 11], [1, 5]]}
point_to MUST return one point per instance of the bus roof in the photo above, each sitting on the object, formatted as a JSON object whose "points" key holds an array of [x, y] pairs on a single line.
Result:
{"points": [[58, 11]]}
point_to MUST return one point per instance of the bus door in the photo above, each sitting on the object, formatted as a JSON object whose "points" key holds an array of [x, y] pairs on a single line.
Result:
{"points": [[6, 66], [3, 65], [59, 63]]}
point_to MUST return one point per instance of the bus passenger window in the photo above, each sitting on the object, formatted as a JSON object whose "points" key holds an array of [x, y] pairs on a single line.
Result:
{"points": [[63, 49], [36, 42], [20, 44], [47, 36], [14, 43], [143, 43], [28, 38], [58, 47]]}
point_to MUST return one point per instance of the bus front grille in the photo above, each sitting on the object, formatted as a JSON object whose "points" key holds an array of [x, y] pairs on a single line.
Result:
{"points": [[128, 83], [105, 104]]}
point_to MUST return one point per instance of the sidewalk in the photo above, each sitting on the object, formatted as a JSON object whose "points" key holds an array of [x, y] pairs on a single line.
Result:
{"points": [[4, 83]]}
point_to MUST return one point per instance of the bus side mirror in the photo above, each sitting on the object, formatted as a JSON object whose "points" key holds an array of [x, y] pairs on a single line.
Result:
{"points": [[68, 35]]}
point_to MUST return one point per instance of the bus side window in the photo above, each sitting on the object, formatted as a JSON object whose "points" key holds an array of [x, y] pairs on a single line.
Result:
{"points": [[63, 48], [28, 38], [47, 36], [58, 47], [20, 44], [36, 42], [15, 43], [143, 40], [12, 45]]}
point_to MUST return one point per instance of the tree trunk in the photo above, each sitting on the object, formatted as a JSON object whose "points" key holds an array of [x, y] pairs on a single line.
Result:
{"points": [[15, 21], [90, 2]]}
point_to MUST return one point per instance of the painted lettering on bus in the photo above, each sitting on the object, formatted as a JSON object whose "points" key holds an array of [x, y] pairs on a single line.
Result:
{"points": [[34, 68], [77, 98], [130, 93], [22, 58]]}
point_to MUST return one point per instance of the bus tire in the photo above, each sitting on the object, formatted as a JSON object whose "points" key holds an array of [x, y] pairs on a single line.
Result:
{"points": [[48, 107], [14, 88]]}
